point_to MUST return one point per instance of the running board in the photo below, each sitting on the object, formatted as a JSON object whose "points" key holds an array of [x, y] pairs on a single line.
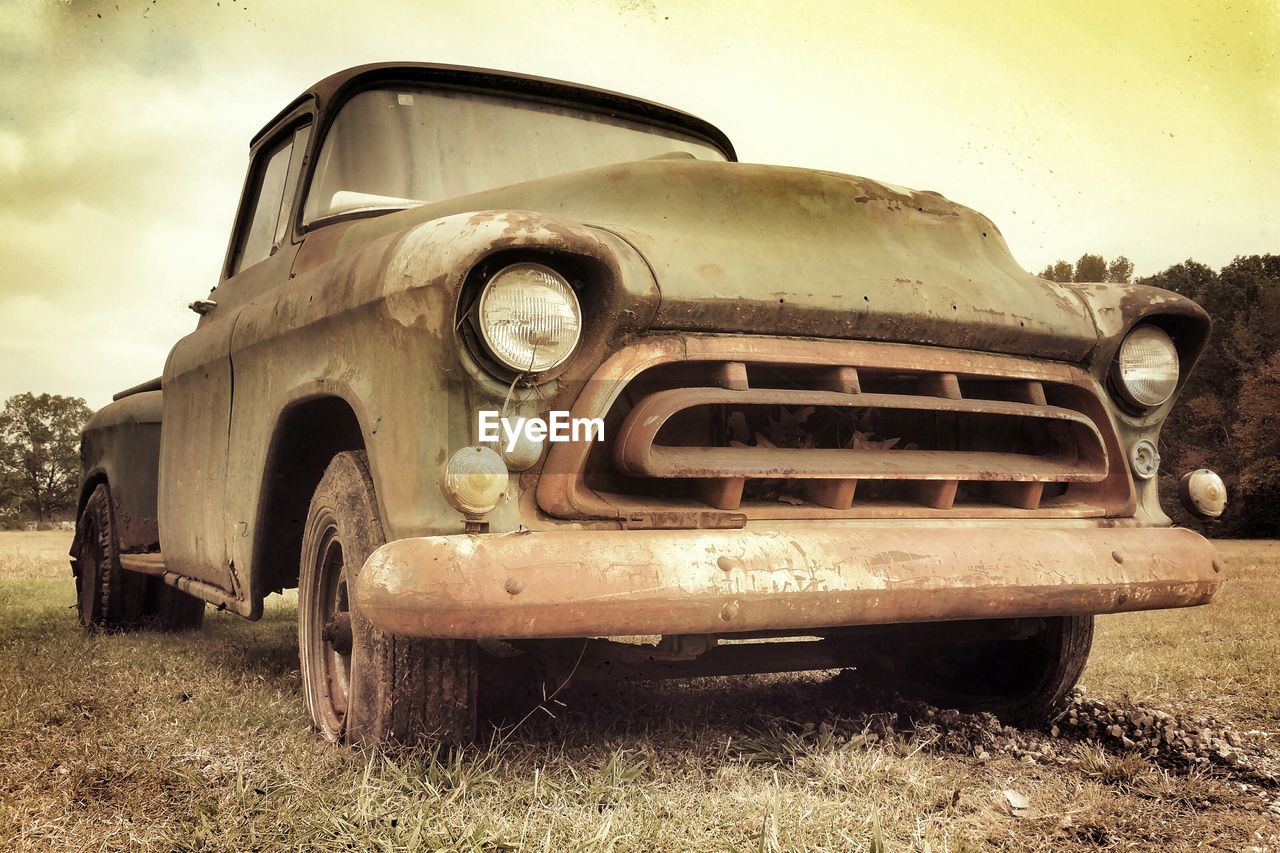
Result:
{"points": [[153, 564], [143, 564]]}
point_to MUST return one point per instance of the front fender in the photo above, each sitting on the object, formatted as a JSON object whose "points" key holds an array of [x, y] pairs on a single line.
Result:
{"points": [[379, 324], [1116, 309]]}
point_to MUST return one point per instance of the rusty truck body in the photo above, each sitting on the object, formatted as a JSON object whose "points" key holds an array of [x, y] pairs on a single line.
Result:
{"points": [[832, 409]]}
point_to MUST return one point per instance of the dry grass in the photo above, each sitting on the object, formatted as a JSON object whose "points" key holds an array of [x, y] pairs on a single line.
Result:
{"points": [[34, 556], [1222, 660], [200, 742]]}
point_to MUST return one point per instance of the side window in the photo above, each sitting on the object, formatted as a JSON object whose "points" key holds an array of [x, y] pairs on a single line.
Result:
{"points": [[295, 168], [268, 219]]}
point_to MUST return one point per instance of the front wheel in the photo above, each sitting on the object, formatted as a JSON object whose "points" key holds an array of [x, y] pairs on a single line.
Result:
{"points": [[1021, 679], [362, 685]]}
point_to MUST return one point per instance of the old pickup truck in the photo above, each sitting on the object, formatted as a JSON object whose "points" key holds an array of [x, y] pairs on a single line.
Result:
{"points": [[825, 422]]}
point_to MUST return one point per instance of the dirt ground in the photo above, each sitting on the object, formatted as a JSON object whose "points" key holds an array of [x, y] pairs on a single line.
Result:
{"points": [[201, 742]]}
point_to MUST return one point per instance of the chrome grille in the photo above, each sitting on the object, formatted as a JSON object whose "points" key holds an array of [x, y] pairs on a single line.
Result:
{"points": [[809, 429]]}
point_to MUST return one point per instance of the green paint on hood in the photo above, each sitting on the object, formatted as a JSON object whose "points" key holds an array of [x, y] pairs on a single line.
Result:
{"points": [[773, 250]]}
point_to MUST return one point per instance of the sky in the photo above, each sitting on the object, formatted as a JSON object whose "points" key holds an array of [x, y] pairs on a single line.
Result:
{"points": [[1148, 130]]}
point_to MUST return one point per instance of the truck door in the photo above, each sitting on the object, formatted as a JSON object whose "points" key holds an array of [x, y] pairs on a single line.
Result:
{"points": [[199, 376]]}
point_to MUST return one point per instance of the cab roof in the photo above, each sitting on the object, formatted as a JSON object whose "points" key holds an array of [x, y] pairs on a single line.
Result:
{"points": [[334, 88]]}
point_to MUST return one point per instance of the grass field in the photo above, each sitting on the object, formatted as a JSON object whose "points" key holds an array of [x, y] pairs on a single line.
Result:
{"points": [[201, 742]]}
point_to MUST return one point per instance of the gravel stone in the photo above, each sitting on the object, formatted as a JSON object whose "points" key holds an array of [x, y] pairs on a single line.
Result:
{"points": [[1178, 743]]}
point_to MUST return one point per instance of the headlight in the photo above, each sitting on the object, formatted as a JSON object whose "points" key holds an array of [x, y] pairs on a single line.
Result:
{"points": [[1146, 367], [529, 318]]}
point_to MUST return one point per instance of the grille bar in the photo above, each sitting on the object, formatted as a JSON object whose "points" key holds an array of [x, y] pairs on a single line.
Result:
{"points": [[638, 452], [793, 463], [1079, 454]]}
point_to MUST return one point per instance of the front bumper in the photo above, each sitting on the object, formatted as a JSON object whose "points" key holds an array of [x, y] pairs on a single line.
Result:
{"points": [[615, 583]]}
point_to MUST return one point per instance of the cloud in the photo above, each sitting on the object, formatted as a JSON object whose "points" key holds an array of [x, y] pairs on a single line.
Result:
{"points": [[83, 353], [114, 205]]}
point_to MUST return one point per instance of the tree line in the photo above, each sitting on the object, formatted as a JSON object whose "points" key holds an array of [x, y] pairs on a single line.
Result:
{"points": [[1090, 268], [39, 457], [1226, 416]]}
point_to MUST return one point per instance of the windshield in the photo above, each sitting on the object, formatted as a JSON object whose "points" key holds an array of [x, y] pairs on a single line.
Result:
{"points": [[401, 147]]}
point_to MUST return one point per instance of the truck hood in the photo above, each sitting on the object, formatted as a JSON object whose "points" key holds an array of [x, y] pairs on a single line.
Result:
{"points": [[773, 250]]}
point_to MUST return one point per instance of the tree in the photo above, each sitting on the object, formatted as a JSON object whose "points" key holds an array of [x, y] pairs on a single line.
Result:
{"points": [[1252, 349], [1226, 415], [1091, 268], [1259, 440], [1061, 271], [1190, 278], [40, 449], [1120, 270], [1241, 285]]}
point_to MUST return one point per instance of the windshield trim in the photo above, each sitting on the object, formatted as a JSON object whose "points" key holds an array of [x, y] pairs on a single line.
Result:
{"points": [[330, 92], [330, 112]]}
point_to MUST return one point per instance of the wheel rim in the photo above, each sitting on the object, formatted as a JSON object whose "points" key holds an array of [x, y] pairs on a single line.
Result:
{"points": [[333, 612]]}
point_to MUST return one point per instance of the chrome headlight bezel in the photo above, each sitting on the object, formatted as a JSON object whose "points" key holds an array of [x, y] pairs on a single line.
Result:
{"points": [[561, 323], [1146, 369]]}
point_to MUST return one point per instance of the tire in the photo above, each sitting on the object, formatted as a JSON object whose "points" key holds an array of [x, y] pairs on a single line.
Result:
{"points": [[1021, 681], [364, 686], [111, 598], [108, 598]]}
